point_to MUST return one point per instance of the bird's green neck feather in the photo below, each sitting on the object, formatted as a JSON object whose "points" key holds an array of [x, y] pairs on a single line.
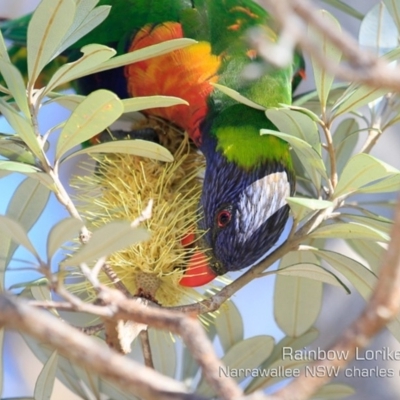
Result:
{"points": [[237, 130]]}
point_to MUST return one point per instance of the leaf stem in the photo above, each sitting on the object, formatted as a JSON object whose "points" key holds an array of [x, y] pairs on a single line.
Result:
{"points": [[332, 182]]}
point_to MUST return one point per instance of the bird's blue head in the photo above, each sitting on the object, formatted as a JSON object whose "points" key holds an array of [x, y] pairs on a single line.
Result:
{"points": [[243, 213]]}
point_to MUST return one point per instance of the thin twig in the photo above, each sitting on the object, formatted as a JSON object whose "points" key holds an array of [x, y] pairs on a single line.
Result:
{"points": [[363, 67], [146, 348]]}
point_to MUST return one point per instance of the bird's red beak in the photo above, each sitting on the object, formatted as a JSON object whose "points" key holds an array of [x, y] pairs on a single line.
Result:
{"points": [[198, 271]]}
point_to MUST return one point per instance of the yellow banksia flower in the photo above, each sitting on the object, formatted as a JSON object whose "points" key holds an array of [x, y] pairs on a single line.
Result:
{"points": [[120, 189]]}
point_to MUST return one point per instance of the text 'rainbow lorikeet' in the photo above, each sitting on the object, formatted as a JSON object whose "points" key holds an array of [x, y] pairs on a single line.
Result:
{"points": [[248, 176]]}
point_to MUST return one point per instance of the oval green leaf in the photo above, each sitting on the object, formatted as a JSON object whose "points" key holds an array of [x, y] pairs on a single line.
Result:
{"points": [[60, 233], [323, 79], [137, 147], [98, 111], [47, 28], [145, 102], [378, 32], [345, 140], [104, 241], [229, 325], [86, 19], [233, 94], [16, 150], [28, 202], [309, 157], [297, 124], [143, 54], [247, 354], [163, 352], [45, 382], [359, 276], [334, 391], [23, 128], [297, 300], [361, 170], [16, 85], [302, 207], [14, 230], [350, 230], [18, 167], [93, 55], [315, 272]]}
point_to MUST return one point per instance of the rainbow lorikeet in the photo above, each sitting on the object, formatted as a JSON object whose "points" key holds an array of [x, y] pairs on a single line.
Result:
{"points": [[247, 176]]}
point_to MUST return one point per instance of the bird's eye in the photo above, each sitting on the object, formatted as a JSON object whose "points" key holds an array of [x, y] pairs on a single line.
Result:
{"points": [[223, 218]]}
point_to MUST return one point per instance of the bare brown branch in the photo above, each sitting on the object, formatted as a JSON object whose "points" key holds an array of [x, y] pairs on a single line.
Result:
{"points": [[362, 66], [78, 347]]}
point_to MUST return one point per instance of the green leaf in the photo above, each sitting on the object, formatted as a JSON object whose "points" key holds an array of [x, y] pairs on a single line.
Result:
{"points": [[15, 83], [297, 124], [377, 222], [315, 272], [99, 110], [350, 230], [361, 170], [86, 19], [23, 127], [358, 95], [60, 233], [297, 300], [393, 6], [311, 102], [46, 31], [302, 207], [28, 202], [143, 54], [344, 141], [371, 252], [163, 352], [15, 149], [314, 117], [298, 343], [45, 382], [378, 32], [276, 359], [112, 237], [310, 158], [70, 101], [18, 167], [3, 49], [25, 206], [277, 372], [246, 354], [93, 55], [14, 230], [359, 276], [334, 391], [345, 8], [145, 102], [135, 147], [386, 185], [323, 79], [229, 325], [233, 94], [357, 98]]}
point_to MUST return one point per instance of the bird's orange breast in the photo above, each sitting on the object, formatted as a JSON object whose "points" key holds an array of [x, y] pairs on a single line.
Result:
{"points": [[186, 73]]}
